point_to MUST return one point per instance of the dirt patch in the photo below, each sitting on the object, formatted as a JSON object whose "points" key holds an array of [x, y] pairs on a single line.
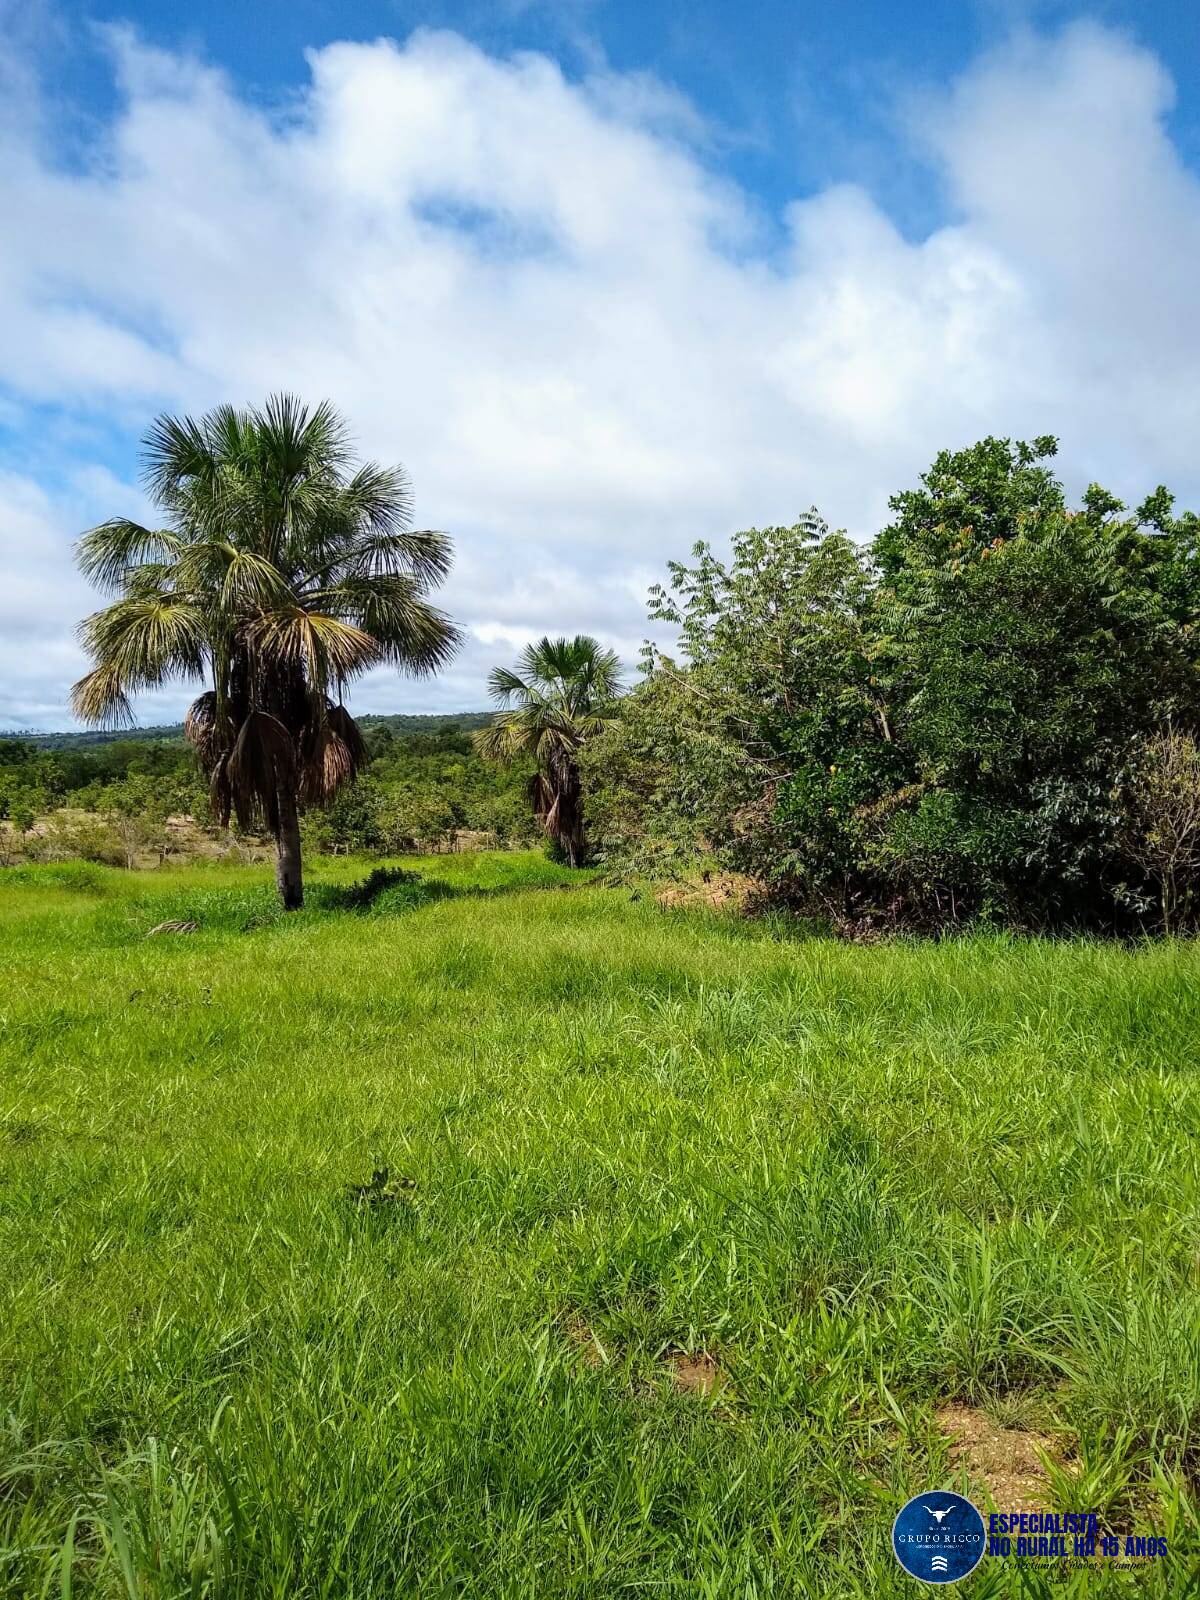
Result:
{"points": [[473, 839], [1002, 1461], [586, 1344], [696, 1373], [718, 891], [692, 1372]]}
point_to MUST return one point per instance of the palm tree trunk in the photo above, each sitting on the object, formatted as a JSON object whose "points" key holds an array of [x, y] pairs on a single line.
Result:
{"points": [[288, 874], [576, 839]]}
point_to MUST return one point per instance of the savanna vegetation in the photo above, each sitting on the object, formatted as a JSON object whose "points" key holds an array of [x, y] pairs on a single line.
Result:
{"points": [[484, 1229], [137, 802], [987, 715], [489, 1223]]}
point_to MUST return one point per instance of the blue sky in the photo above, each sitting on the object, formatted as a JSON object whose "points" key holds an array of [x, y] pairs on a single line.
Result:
{"points": [[798, 94], [608, 277]]}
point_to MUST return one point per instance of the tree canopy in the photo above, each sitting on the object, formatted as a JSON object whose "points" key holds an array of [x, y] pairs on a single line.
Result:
{"points": [[946, 722]]}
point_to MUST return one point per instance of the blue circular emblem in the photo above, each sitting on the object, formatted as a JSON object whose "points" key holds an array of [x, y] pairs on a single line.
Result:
{"points": [[938, 1537]]}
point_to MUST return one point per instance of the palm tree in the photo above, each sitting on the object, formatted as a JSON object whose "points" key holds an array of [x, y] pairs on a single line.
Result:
{"points": [[282, 571], [561, 694]]}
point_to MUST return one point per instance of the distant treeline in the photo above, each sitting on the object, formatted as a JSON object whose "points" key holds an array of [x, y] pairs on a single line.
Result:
{"points": [[423, 785], [401, 722]]}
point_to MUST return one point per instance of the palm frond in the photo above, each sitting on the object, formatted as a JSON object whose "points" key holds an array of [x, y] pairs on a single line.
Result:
{"points": [[423, 554], [147, 639], [379, 499], [500, 741], [207, 729], [154, 580], [107, 554], [230, 437], [332, 754], [348, 731], [410, 633], [100, 699], [327, 650], [175, 450], [294, 438], [507, 688], [544, 801], [250, 579]]}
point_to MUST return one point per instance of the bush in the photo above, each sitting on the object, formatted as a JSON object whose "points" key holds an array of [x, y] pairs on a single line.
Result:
{"points": [[933, 728], [76, 836]]}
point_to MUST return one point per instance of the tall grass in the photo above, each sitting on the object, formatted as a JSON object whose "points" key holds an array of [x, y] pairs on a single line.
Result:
{"points": [[347, 1254]]}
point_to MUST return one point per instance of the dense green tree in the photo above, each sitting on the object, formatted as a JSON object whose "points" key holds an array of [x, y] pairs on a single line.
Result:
{"points": [[942, 724], [658, 786], [1028, 647], [967, 499], [779, 729], [281, 572]]}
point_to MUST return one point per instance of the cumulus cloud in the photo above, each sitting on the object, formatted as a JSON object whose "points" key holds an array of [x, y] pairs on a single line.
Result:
{"points": [[541, 296]]}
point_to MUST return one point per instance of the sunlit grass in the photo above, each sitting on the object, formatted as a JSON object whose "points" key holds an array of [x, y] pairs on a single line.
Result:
{"points": [[864, 1179]]}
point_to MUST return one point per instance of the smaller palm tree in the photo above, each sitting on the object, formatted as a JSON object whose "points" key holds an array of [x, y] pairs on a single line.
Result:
{"points": [[560, 695]]}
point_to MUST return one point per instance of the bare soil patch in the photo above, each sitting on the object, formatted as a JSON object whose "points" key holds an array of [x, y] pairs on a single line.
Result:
{"points": [[718, 891], [696, 1372], [586, 1344], [1003, 1461]]}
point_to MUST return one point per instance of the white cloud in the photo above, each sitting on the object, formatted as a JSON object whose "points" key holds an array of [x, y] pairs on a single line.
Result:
{"points": [[538, 296]]}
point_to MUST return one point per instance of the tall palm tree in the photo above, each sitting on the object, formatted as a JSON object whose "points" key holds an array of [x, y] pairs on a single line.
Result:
{"points": [[560, 694], [281, 572]]}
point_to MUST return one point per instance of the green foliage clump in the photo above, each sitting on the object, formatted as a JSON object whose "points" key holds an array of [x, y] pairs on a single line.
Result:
{"points": [[946, 723], [419, 792]]}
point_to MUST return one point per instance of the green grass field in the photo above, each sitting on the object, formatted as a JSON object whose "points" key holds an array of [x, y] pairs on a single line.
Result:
{"points": [[689, 1226]]}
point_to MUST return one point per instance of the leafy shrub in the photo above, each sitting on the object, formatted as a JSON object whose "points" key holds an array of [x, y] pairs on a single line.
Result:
{"points": [[933, 728]]}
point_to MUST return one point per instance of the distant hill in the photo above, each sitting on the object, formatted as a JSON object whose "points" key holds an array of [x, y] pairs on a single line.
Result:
{"points": [[171, 734], [400, 723]]}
